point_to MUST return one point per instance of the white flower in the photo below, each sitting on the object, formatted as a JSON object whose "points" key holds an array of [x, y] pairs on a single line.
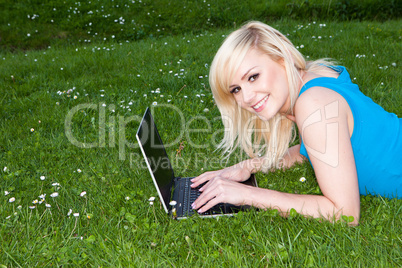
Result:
{"points": [[173, 203], [56, 184], [5, 169], [32, 129], [79, 170], [8, 217], [302, 179], [12, 199], [55, 194], [35, 201], [152, 198], [48, 205], [154, 103], [206, 110], [83, 193], [76, 214], [127, 198], [32, 207], [19, 207], [42, 196], [69, 212], [151, 203], [6, 192], [42, 178]]}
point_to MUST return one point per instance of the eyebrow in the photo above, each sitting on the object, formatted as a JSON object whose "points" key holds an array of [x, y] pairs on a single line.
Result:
{"points": [[244, 75]]}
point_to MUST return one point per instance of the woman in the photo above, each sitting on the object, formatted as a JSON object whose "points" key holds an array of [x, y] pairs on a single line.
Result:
{"points": [[262, 86]]}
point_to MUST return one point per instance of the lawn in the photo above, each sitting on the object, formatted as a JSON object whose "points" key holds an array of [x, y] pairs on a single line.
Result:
{"points": [[75, 191]]}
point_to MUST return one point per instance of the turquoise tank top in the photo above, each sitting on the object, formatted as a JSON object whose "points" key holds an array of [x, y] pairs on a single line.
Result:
{"points": [[376, 138]]}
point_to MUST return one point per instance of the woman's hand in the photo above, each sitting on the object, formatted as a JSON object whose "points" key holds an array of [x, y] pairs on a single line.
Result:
{"points": [[221, 190], [239, 172]]}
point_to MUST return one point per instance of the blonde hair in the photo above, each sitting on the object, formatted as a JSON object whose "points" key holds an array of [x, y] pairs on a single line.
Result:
{"points": [[257, 138]]}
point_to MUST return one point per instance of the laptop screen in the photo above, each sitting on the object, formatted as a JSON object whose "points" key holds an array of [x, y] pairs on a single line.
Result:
{"points": [[157, 160]]}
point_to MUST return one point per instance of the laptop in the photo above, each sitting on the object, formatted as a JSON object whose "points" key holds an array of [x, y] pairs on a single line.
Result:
{"points": [[172, 188]]}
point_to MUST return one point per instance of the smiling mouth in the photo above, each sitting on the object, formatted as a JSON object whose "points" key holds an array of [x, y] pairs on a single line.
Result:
{"points": [[260, 103]]}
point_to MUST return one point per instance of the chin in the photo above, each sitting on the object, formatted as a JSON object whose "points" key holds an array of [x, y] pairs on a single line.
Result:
{"points": [[263, 117]]}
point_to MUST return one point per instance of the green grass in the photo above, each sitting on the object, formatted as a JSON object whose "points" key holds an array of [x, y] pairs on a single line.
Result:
{"points": [[37, 91], [33, 24]]}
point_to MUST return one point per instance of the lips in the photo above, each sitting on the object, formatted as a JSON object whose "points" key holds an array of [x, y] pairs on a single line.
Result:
{"points": [[259, 106]]}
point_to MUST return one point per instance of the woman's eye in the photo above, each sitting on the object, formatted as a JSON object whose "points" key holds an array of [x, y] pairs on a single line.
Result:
{"points": [[253, 77], [235, 90]]}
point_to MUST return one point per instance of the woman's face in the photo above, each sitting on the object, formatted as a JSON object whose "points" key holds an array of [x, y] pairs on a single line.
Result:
{"points": [[260, 85]]}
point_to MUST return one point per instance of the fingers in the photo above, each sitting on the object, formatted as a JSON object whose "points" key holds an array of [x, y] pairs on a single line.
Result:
{"points": [[206, 201], [203, 178], [211, 196], [210, 204]]}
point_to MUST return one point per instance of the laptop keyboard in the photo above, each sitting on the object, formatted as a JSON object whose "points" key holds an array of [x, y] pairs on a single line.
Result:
{"points": [[194, 194]]}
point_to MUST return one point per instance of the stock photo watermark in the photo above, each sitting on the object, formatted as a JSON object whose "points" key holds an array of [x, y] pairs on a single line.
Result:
{"points": [[117, 128], [330, 155], [111, 127]]}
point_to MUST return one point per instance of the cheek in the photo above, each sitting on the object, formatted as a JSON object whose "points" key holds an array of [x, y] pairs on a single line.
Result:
{"points": [[238, 100]]}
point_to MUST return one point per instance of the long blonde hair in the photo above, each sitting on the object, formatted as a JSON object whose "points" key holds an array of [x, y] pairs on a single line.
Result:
{"points": [[257, 138]]}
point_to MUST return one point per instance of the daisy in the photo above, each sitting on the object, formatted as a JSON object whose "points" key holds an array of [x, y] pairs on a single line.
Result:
{"points": [[69, 212], [55, 194], [12, 199], [151, 199], [83, 193], [76, 214], [302, 179], [42, 178]]}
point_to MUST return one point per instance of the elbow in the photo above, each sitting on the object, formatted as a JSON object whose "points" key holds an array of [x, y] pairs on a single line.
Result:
{"points": [[351, 216]]}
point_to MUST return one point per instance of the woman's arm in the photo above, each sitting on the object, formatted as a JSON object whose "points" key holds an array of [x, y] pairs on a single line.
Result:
{"points": [[242, 171]]}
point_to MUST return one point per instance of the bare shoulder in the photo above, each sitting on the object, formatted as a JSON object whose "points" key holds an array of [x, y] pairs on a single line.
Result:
{"points": [[316, 109], [331, 104], [317, 99]]}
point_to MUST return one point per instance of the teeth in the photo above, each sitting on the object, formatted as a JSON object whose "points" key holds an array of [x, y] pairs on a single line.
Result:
{"points": [[258, 105]]}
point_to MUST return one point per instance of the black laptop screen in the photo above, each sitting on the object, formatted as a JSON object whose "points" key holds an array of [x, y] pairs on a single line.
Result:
{"points": [[156, 156]]}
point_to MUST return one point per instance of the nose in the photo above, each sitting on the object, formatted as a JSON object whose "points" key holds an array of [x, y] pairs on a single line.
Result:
{"points": [[248, 95]]}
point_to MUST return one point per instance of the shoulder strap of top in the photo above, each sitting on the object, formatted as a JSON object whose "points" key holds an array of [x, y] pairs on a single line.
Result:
{"points": [[324, 81]]}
